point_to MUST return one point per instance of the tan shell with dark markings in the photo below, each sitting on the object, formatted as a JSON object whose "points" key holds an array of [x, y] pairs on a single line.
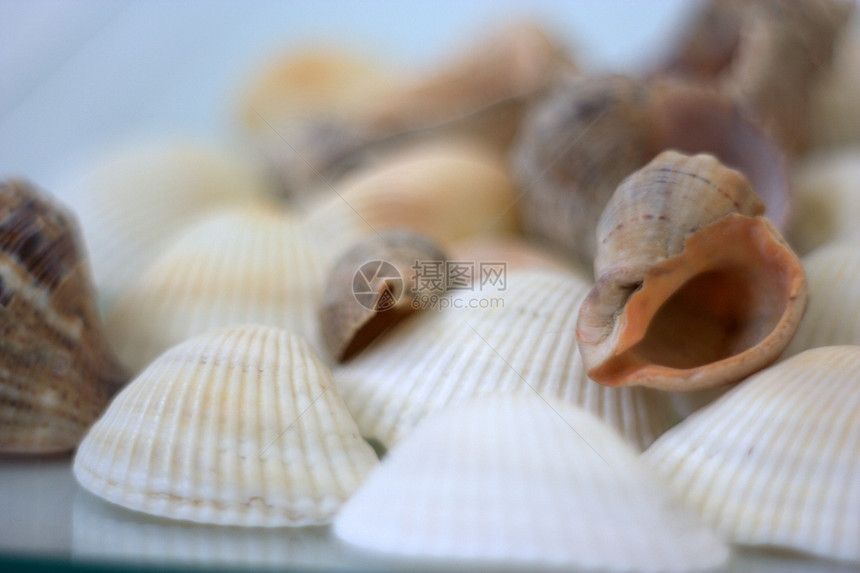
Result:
{"points": [[57, 373]]}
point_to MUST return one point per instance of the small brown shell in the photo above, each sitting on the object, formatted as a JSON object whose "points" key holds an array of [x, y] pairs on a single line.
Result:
{"points": [[57, 373], [578, 144], [373, 286], [694, 289]]}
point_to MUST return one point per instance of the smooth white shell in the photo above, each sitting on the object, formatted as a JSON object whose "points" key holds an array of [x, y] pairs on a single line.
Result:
{"points": [[521, 479], [242, 426], [245, 265], [776, 461], [519, 340]]}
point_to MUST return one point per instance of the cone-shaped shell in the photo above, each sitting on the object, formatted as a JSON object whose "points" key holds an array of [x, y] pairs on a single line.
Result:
{"points": [[519, 340], [827, 195], [693, 289], [241, 426], [833, 316], [134, 202], [254, 264], [446, 191], [57, 372], [588, 134], [373, 286], [776, 460], [520, 479]]}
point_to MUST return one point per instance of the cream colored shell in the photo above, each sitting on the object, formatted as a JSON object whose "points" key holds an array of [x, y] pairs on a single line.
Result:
{"points": [[833, 316], [254, 264], [524, 480], [520, 340], [133, 202], [776, 461], [242, 426]]}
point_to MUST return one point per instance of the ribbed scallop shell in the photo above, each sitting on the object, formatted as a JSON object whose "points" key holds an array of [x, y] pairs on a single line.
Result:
{"points": [[242, 426], [833, 315], [521, 340], [520, 479], [134, 201], [827, 193], [447, 191], [254, 264], [776, 461]]}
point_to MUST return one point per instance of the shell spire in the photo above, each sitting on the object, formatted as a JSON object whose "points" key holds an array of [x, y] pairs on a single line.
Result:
{"points": [[695, 288], [57, 373]]}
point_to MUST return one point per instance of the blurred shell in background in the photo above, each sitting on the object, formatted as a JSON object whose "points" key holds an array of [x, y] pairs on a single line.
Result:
{"points": [[833, 316], [516, 339], [375, 285], [57, 371], [827, 195], [834, 105], [250, 264], [444, 190], [776, 460], [517, 478], [133, 202], [515, 251], [241, 426]]}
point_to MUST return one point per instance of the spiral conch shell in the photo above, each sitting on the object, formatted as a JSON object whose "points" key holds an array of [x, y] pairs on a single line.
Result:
{"points": [[57, 372], [525, 480], [373, 286], [241, 426], [588, 134], [776, 461], [694, 289]]}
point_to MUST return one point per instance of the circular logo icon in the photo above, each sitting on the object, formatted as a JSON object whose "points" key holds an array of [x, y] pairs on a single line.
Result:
{"points": [[377, 285]]}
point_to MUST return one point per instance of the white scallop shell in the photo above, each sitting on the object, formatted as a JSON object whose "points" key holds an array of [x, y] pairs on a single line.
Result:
{"points": [[446, 190], [242, 426], [827, 198], [833, 314], [525, 480], [776, 461], [133, 202], [244, 265], [519, 340]]}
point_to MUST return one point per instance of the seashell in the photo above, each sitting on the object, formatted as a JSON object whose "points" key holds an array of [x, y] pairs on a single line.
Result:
{"points": [[582, 140], [134, 202], [241, 426], [828, 202], [57, 372], [256, 264], [446, 191], [775, 461], [525, 480], [515, 339], [514, 251], [834, 116], [373, 286], [833, 316], [694, 290], [766, 54]]}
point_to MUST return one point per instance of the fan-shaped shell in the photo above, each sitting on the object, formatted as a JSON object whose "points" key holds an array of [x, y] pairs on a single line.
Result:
{"points": [[241, 426], [446, 191], [776, 460], [254, 264], [833, 316], [134, 201], [520, 340], [522, 479], [57, 372], [827, 194], [693, 289]]}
